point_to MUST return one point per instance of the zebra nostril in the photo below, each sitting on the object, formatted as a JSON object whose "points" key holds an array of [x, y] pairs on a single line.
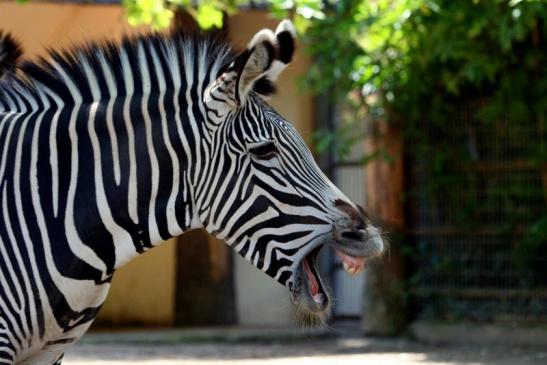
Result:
{"points": [[354, 235]]}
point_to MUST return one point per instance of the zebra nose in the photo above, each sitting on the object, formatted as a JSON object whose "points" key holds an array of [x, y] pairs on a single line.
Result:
{"points": [[358, 235], [354, 213]]}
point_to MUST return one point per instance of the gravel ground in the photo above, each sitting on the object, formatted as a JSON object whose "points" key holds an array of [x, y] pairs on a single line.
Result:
{"points": [[120, 349]]}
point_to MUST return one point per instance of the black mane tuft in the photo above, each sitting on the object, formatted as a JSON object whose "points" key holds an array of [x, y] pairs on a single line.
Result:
{"points": [[10, 51], [208, 48], [264, 86]]}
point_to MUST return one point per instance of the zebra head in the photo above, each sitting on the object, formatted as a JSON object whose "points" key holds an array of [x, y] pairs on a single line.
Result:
{"points": [[268, 198]]}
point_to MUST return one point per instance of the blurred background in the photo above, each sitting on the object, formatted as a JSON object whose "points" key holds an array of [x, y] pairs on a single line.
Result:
{"points": [[431, 113]]}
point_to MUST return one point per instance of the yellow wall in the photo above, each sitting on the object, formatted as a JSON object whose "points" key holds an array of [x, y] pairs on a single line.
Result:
{"points": [[143, 291]]}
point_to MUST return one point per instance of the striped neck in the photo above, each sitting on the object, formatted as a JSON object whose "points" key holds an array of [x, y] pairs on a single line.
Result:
{"points": [[120, 139]]}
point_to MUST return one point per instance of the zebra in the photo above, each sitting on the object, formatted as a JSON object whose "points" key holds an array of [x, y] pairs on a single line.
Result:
{"points": [[109, 149]]}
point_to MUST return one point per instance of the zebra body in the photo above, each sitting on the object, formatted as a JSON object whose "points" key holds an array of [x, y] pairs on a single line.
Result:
{"points": [[106, 151]]}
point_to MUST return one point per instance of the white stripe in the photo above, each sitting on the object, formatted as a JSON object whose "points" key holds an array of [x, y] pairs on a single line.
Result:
{"points": [[113, 92], [15, 281], [189, 73], [79, 294], [154, 234], [53, 156], [10, 334], [123, 243], [17, 182], [7, 141], [9, 100], [174, 68], [7, 314], [78, 247], [233, 195], [172, 224], [132, 198]]}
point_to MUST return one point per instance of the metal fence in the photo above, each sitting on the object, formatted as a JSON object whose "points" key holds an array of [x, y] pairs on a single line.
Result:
{"points": [[473, 254]]}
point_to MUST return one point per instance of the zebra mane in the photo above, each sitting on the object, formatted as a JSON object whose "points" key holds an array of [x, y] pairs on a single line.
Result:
{"points": [[206, 52], [10, 52]]}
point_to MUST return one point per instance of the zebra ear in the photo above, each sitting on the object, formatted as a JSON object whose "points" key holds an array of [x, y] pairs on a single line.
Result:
{"points": [[285, 36], [254, 62], [256, 68], [237, 78]]}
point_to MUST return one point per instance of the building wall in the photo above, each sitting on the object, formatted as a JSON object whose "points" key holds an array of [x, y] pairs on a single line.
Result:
{"points": [[143, 291]]}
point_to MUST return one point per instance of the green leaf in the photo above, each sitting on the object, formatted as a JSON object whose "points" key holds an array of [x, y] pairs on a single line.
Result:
{"points": [[163, 18], [302, 24], [208, 16]]}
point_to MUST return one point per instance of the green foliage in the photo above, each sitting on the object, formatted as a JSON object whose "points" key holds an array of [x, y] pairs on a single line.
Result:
{"points": [[159, 13], [209, 13], [423, 54], [151, 12]]}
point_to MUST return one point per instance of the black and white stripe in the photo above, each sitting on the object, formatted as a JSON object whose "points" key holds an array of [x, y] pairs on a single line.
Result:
{"points": [[108, 150]]}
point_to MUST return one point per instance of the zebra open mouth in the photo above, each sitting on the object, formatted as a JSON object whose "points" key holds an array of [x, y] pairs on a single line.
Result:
{"points": [[314, 284], [313, 287]]}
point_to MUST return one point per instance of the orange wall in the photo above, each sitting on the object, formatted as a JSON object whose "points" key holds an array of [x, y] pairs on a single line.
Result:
{"points": [[41, 25]]}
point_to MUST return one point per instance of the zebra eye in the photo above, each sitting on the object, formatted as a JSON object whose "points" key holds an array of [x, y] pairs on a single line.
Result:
{"points": [[264, 151]]}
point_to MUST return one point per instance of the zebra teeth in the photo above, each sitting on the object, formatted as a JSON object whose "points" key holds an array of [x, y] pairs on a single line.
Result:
{"points": [[346, 266], [351, 269], [352, 265]]}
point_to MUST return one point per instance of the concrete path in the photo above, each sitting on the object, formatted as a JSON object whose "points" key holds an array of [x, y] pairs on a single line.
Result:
{"points": [[272, 347]]}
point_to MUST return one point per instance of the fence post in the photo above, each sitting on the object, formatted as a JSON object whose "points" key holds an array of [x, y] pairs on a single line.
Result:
{"points": [[205, 281], [384, 295]]}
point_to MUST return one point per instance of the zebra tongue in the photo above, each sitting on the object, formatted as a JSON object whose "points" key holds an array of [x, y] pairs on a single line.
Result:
{"points": [[312, 282]]}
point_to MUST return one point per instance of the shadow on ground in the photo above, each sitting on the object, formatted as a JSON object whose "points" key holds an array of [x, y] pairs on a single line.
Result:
{"points": [[271, 347]]}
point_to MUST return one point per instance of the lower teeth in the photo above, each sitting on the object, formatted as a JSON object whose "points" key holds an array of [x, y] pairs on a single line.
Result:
{"points": [[318, 298]]}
